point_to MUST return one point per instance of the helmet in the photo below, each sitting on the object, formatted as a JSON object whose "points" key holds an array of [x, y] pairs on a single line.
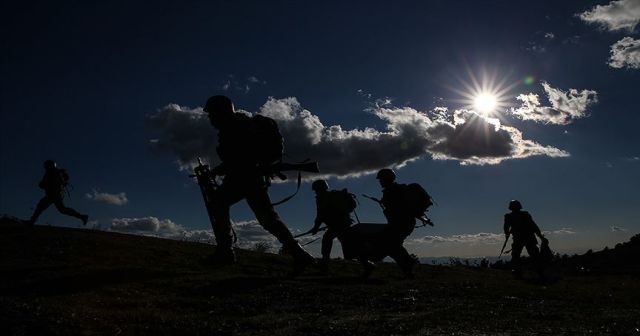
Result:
{"points": [[386, 174], [49, 164], [515, 205], [219, 104], [319, 185]]}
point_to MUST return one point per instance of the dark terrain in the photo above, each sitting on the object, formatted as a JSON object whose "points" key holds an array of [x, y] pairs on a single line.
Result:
{"points": [[70, 281]]}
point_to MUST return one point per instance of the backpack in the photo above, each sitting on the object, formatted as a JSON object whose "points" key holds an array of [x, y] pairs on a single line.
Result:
{"points": [[64, 177], [418, 200], [342, 201], [269, 146]]}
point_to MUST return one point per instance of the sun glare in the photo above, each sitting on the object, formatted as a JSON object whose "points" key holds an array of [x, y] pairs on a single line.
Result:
{"points": [[485, 102]]}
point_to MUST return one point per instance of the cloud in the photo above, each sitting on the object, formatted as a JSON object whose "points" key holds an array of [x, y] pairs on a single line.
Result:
{"points": [[565, 106], [147, 225], [617, 229], [625, 54], [114, 199], [409, 134], [617, 15], [468, 238], [562, 231], [549, 35]]}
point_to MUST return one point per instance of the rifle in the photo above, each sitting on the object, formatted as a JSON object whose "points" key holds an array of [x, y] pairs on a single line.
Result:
{"points": [[424, 219], [208, 185], [310, 231], [374, 199], [504, 245]]}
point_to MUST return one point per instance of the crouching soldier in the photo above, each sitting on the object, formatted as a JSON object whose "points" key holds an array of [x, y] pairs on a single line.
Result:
{"points": [[54, 183], [524, 230], [402, 205], [334, 209]]}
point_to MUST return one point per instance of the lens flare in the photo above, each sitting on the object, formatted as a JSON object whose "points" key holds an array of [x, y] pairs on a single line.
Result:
{"points": [[485, 103]]}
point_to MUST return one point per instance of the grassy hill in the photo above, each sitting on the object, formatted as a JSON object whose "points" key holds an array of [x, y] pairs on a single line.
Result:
{"points": [[70, 281]]}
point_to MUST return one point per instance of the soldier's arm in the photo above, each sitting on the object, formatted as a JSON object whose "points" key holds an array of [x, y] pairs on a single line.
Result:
{"points": [[535, 227], [507, 226]]}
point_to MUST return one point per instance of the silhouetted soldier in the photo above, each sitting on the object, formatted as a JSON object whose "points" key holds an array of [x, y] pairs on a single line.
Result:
{"points": [[54, 183], [248, 147], [524, 230], [334, 209], [401, 218]]}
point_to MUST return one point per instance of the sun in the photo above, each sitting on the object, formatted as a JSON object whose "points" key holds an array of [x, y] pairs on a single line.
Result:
{"points": [[485, 92], [485, 102]]}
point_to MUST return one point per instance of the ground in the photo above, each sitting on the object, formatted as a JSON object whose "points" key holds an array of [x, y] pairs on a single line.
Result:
{"points": [[73, 281]]}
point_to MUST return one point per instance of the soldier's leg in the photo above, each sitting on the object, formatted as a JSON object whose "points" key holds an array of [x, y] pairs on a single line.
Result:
{"points": [[327, 244], [516, 263], [259, 201], [59, 203], [43, 204], [534, 254], [225, 196]]}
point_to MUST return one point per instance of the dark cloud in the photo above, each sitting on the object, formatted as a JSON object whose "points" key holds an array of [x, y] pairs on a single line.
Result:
{"points": [[409, 134]]}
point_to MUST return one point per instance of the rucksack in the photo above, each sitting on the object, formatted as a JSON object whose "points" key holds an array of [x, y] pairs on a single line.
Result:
{"points": [[269, 145], [64, 177], [418, 200], [342, 201]]}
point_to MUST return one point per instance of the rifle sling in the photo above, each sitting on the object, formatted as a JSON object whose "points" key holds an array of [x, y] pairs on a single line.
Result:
{"points": [[292, 195]]}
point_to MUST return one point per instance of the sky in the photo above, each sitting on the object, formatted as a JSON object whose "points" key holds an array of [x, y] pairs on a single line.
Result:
{"points": [[480, 102]]}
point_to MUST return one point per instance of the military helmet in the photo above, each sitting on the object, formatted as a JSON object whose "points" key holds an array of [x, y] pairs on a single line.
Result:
{"points": [[386, 174], [219, 104], [49, 164], [514, 205], [319, 185]]}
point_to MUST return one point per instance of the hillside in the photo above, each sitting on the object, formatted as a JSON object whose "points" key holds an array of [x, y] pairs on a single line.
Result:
{"points": [[70, 281]]}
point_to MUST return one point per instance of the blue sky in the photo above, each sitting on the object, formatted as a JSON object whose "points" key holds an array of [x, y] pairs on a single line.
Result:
{"points": [[89, 85]]}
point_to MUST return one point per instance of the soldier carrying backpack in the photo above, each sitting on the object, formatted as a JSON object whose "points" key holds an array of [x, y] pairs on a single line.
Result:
{"points": [[334, 208], [54, 182], [402, 205]]}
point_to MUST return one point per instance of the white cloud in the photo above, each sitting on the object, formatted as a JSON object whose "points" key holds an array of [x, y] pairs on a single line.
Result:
{"points": [[617, 15], [549, 36], [468, 238], [625, 54], [617, 229], [409, 134], [147, 225], [114, 199], [562, 231], [565, 105]]}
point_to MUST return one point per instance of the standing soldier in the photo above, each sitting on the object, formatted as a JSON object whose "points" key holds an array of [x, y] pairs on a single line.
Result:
{"points": [[248, 147], [400, 204], [54, 183], [524, 230], [334, 208]]}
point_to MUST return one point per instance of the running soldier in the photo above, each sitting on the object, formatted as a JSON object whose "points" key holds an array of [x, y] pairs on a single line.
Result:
{"points": [[54, 183]]}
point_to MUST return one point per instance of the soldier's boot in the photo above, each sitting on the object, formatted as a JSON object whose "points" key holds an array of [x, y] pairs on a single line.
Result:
{"points": [[408, 265], [367, 268], [222, 257], [301, 258], [323, 266]]}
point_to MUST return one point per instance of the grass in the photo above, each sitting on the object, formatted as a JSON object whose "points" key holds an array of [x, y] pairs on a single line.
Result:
{"points": [[69, 281]]}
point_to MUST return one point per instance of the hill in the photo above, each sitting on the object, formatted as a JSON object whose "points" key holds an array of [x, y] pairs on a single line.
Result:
{"points": [[71, 281]]}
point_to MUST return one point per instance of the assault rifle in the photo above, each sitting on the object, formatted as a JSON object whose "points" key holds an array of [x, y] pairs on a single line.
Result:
{"points": [[207, 182], [504, 245], [424, 219]]}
